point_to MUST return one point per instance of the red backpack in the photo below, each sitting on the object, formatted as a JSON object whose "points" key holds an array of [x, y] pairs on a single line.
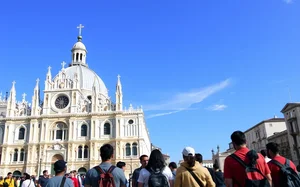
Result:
{"points": [[106, 178]]}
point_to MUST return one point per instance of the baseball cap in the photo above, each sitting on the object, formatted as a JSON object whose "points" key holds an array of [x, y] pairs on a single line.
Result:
{"points": [[188, 151], [60, 165]]}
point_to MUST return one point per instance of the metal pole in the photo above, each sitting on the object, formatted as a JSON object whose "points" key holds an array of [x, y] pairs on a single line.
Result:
{"points": [[40, 166]]}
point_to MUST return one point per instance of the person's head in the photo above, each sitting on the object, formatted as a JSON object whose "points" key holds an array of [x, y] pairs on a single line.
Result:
{"points": [[263, 152], [238, 139], [216, 166], [144, 160], [45, 172], [26, 176], [156, 160], [173, 166], [9, 175], [199, 158], [72, 174], [60, 167], [106, 152], [121, 165], [272, 149], [188, 154]]}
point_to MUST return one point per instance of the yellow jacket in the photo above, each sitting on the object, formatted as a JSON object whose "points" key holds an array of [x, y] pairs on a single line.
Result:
{"points": [[10, 182], [185, 179]]}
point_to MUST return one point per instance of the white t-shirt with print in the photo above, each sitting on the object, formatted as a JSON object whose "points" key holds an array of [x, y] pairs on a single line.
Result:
{"points": [[145, 174]]}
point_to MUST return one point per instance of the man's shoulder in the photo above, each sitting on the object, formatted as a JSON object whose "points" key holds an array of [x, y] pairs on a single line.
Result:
{"points": [[137, 169]]}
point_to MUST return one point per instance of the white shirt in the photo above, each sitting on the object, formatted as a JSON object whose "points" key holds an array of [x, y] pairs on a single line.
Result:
{"points": [[145, 174], [28, 183], [267, 159]]}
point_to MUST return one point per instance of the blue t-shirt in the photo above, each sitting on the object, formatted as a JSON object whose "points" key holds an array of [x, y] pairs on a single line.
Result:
{"points": [[56, 181], [43, 181], [92, 176]]}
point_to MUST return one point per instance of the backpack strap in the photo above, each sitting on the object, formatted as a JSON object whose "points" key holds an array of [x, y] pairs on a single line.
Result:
{"points": [[278, 163], [110, 170], [248, 169], [99, 169], [62, 184], [195, 177]]}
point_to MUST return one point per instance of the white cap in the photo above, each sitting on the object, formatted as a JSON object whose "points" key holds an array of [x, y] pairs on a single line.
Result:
{"points": [[188, 151]]}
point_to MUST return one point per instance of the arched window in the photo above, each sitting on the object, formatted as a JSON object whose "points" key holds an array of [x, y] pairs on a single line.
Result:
{"points": [[128, 149], [80, 56], [77, 55], [84, 130], [60, 132], [106, 129], [22, 155], [134, 149], [22, 133], [80, 151], [86, 152], [16, 153]]}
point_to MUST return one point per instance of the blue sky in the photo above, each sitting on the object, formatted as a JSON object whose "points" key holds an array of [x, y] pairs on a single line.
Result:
{"points": [[201, 69]]}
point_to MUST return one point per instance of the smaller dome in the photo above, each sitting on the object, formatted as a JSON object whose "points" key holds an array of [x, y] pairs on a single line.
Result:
{"points": [[79, 45]]}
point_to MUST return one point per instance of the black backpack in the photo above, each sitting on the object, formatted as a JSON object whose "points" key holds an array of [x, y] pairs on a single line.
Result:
{"points": [[249, 168], [157, 179], [288, 177]]}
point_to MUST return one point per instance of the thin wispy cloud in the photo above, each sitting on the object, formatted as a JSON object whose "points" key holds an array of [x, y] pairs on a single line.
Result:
{"points": [[217, 107], [182, 101], [163, 114], [288, 1]]}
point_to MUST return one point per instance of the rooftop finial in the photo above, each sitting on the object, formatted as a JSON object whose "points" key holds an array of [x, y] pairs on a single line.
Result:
{"points": [[63, 64], [80, 27]]}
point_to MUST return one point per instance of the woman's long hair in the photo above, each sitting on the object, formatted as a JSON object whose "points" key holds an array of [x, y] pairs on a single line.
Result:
{"points": [[156, 161]]}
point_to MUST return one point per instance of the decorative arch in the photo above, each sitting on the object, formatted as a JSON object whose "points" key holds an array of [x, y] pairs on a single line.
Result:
{"points": [[79, 152], [16, 155], [128, 149], [56, 157], [82, 171], [134, 149], [21, 132], [22, 155], [83, 130], [17, 173], [107, 128], [59, 131]]}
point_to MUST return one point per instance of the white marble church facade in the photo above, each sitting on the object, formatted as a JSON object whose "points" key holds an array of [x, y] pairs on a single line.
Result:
{"points": [[75, 117]]}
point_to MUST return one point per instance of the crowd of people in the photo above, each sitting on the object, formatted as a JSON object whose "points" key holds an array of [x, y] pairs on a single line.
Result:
{"points": [[243, 168]]}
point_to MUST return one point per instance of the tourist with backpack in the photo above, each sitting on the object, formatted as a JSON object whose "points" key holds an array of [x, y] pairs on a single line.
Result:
{"points": [[245, 167], [156, 173], [105, 174], [191, 173], [283, 171]]}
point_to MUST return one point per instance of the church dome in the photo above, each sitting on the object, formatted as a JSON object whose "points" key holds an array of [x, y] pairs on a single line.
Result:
{"points": [[87, 78], [79, 45]]}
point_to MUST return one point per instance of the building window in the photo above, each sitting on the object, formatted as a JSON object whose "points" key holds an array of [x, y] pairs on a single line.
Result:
{"points": [[80, 151], [106, 129], [22, 155], [134, 149], [22, 133], [128, 149], [16, 153], [60, 132], [84, 130], [86, 152]]}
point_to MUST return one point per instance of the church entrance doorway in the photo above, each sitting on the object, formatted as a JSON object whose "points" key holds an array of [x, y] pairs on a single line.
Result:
{"points": [[54, 159], [82, 171], [17, 173]]}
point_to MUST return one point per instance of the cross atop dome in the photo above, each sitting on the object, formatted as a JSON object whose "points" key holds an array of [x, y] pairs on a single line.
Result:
{"points": [[79, 50]]}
